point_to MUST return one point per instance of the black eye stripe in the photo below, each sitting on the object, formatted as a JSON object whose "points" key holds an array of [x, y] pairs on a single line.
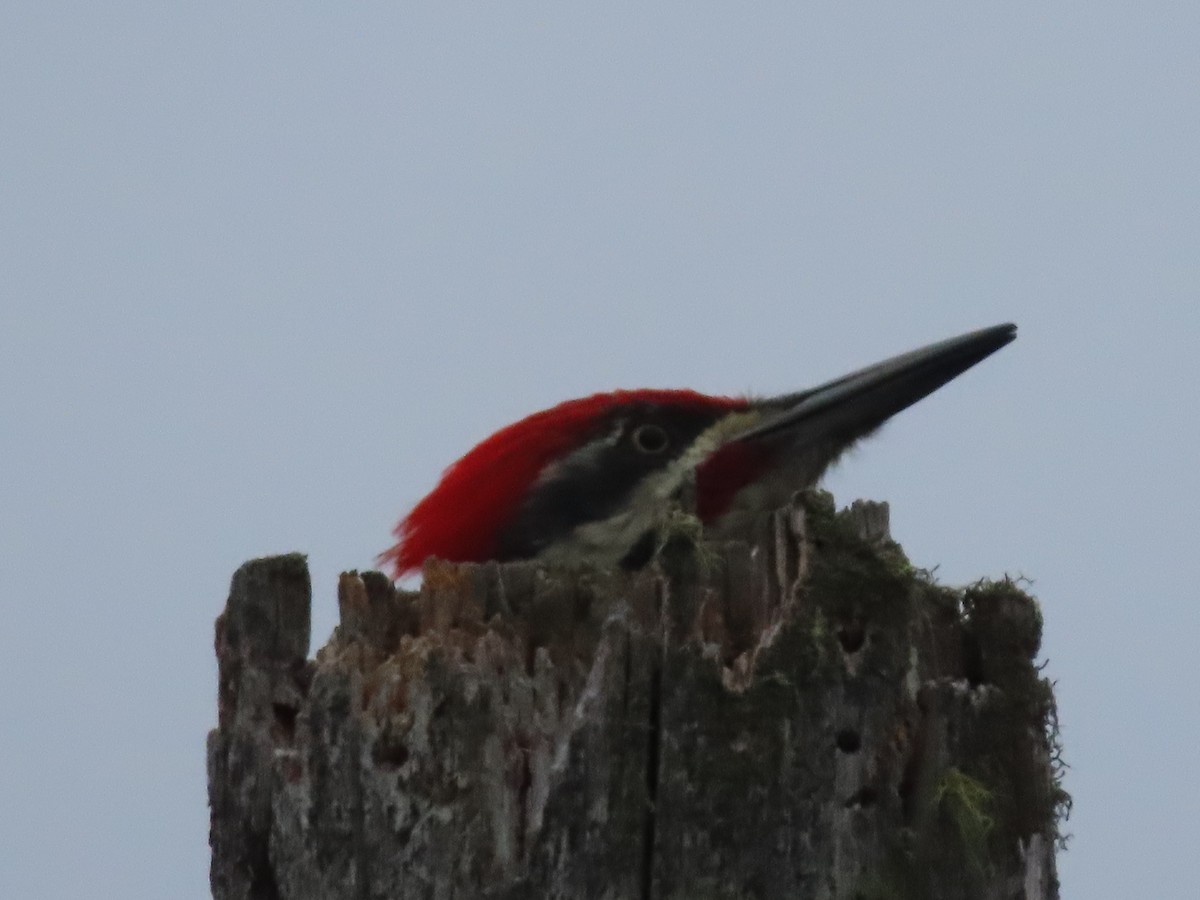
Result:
{"points": [[592, 483]]}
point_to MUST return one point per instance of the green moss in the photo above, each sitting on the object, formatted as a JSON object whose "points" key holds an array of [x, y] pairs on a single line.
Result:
{"points": [[861, 590], [821, 638], [1004, 616], [1003, 629], [967, 803], [1060, 800], [877, 887], [819, 630], [866, 615]]}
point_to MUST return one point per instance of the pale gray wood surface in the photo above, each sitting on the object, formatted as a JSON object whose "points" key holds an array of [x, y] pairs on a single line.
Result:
{"points": [[815, 719]]}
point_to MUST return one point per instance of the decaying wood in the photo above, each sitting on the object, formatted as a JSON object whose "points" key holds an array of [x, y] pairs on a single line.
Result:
{"points": [[812, 719]]}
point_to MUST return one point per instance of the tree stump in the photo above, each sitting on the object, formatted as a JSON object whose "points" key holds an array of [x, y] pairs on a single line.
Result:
{"points": [[811, 718]]}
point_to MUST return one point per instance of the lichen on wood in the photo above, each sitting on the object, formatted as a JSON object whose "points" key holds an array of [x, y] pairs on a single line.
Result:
{"points": [[809, 716]]}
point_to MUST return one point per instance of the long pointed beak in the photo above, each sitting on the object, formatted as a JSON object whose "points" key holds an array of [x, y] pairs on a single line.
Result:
{"points": [[858, 403]]}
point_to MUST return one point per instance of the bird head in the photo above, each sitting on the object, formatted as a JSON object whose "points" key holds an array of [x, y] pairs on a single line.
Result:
{"points": [[594, 480]]}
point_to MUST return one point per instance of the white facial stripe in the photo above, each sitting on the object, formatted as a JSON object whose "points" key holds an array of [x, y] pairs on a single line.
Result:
{"points": [[718, 433]]}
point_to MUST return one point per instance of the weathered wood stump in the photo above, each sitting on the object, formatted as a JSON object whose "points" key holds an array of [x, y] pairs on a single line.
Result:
{"points": [[813, 719]]}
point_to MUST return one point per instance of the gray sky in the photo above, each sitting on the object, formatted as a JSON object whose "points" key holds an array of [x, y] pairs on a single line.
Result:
{"points": [[269, 267]]}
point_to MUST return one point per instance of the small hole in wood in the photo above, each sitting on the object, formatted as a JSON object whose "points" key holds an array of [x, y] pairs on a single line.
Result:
{"points": [[389, 754], [285, 720], [849, 740], [852, 635]]}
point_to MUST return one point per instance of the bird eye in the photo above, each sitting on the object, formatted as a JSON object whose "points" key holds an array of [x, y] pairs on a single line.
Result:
{"points": [[650, 439]]}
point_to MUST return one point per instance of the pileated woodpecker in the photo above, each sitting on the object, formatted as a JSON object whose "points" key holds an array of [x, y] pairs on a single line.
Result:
{"points": [[597, 479]]}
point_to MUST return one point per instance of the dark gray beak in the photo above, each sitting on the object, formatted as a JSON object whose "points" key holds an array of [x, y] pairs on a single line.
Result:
{"points": [[858, 403]]}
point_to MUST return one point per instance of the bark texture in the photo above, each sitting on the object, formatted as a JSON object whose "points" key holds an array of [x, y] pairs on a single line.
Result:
{"points": [[813, 719]]}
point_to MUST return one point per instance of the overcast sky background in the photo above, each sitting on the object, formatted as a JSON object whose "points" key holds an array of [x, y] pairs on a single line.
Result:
{"points": [[266, 268]]}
